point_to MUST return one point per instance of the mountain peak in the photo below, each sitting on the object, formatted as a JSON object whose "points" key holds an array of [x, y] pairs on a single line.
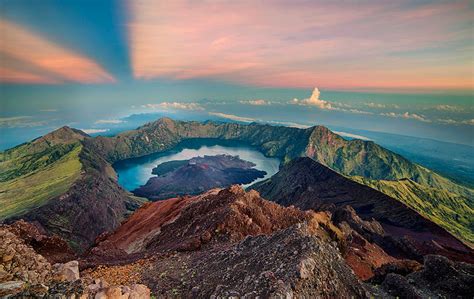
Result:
{"points": [[63, 135], [165, 120]]}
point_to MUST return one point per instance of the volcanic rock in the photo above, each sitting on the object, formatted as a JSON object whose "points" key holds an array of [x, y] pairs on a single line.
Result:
{"points": [[66, 272], [53, 248], [439, 278], [307, 184], [293, 262], [20, 262], [11, 287], [233, 243]]}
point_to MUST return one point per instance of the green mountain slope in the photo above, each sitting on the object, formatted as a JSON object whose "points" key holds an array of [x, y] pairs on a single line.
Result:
{"points": [[33, 189], [33, 173], [453, 212], [369, 160]]}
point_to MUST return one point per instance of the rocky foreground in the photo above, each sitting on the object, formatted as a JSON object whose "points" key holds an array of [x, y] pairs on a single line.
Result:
{"points": [[26, 274], [226, 243]]}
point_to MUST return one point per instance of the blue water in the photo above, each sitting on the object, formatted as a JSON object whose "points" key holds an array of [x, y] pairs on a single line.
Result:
{"points": [[133, 173]]}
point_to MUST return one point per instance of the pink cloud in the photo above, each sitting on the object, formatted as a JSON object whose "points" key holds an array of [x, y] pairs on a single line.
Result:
{"points": [[55, 61], [300, 44], [17, 76]]}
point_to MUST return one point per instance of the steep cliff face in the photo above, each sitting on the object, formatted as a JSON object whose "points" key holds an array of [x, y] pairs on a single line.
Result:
{"points": [[449, 210], [33, 173], [166, 133], [309, 185]]}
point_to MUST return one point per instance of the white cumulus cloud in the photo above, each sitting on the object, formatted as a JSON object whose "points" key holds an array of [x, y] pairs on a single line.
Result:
{"points": [[450, 108], [314, 100], [350, 135], [21, 122], [450, 121], [173, 105], [381, 106], [406, 115]]}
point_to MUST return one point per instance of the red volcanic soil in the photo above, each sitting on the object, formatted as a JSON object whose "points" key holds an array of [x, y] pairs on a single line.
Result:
{"points": [[147, 221], [364, 257]]}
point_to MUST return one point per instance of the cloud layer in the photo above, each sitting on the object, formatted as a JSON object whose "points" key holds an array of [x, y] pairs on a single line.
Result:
{"points": [[357, 45]]}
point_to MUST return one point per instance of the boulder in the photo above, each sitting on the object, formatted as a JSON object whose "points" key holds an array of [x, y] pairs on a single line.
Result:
{"points": [[136, 291], [66, 272]]}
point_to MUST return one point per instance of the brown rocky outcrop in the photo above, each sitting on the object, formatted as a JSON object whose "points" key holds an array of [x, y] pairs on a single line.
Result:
{"points": [[190, 239], [298, 261], [53, 248], [26, 274], [439, 278], [189, 223], [20, 264]]}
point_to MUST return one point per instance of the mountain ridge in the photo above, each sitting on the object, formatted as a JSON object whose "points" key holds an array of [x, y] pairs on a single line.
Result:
{"points": [[94, 156], [349, 157]]}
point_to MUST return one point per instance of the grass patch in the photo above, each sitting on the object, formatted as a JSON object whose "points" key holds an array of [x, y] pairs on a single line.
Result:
{"points": [[36, 187]]}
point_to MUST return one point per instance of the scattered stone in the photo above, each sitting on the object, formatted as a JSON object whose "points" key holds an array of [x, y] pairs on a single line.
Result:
{"points": [[136, 291], [439, 278], [306, 267], [19, 262], [66, 272], [401, 267], [11, 287]]}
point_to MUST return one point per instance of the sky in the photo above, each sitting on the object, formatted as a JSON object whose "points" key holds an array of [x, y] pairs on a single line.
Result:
{"points": [[392, 66]]}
